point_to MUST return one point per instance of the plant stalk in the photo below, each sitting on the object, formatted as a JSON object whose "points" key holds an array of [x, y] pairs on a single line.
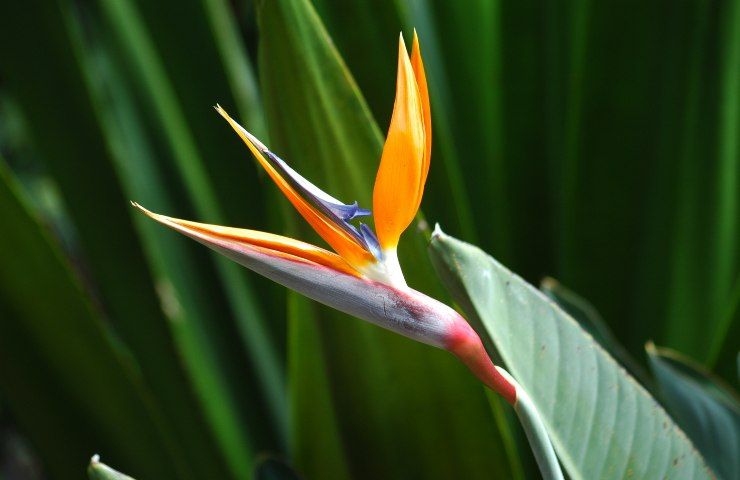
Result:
{"points": [[535, 430]]}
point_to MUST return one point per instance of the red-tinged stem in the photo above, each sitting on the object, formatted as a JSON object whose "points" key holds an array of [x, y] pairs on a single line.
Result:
{"points": [[466, 345]]}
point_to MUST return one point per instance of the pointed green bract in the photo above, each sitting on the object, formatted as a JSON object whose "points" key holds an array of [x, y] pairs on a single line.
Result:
{"points": [[601, 422]]}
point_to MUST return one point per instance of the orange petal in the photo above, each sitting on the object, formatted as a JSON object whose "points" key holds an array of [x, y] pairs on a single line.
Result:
{"points": [[399, 180], [275, 244], [340, 241], [421, 81]]}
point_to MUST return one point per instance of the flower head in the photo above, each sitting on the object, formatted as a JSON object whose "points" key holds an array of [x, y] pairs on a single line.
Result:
{"points": [[362, 276]]}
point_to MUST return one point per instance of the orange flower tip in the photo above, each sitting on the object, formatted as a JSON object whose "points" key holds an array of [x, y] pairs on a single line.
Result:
{"points": [[136, 205], [163, 219], [399, 181], [402, 44], [239, 129], [144, 210], [327, 215]]}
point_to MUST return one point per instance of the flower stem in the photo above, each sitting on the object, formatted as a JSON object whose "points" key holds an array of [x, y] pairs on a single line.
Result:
{"points": [[466, 345], [535, 431]]}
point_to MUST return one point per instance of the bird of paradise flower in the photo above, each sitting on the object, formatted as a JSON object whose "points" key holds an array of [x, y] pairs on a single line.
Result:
{"points": [[363, 278]]}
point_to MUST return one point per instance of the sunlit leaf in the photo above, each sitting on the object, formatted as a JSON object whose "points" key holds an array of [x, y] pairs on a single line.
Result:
{"points": [[588, 317], [602, 423]]}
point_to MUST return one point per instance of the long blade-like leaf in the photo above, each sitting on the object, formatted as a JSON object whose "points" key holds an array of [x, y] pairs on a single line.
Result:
{"points": [[213, 202], [602, 423], [64, 128], [68, 400]]}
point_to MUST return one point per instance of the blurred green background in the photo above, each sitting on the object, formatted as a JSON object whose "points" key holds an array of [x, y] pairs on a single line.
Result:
{"points": [[594, 142]]}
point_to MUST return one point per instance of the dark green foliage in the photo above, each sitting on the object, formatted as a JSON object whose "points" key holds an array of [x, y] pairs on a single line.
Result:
{"points": [[596, 142]]}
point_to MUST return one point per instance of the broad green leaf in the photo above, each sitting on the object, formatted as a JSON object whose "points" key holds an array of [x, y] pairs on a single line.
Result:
{"points": [[395, 402], [602, 423], [68, 400], [588, 317], [100, 471], [707, 410]]}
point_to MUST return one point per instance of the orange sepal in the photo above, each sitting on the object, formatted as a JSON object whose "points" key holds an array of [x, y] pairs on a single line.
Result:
{"points": [[421, 81], [346, 246], [275, 244], [396, 195]]}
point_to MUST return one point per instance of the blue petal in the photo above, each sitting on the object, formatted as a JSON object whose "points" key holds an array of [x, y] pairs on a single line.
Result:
{"points": [[347, 212], [340, 213], [371, 241]]}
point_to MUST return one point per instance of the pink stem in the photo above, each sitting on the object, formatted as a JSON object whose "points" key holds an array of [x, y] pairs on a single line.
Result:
{"points": [[466, 345]]}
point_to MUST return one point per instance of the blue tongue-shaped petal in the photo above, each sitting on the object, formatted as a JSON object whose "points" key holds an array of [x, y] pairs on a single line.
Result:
{"points": [[371, 241], [340, 213], [346, 212]]}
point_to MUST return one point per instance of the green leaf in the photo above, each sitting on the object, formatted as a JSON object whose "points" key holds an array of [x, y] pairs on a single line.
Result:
{"points": [[588, 317], [316, 442], [705, 408], [211, 189], [640, 136], [100, 471], [602, 423], [239, 71], [694, 311], [68, 400], [395, 401], [106, 152], [724, 355], [461, 42], [216, 186]]}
